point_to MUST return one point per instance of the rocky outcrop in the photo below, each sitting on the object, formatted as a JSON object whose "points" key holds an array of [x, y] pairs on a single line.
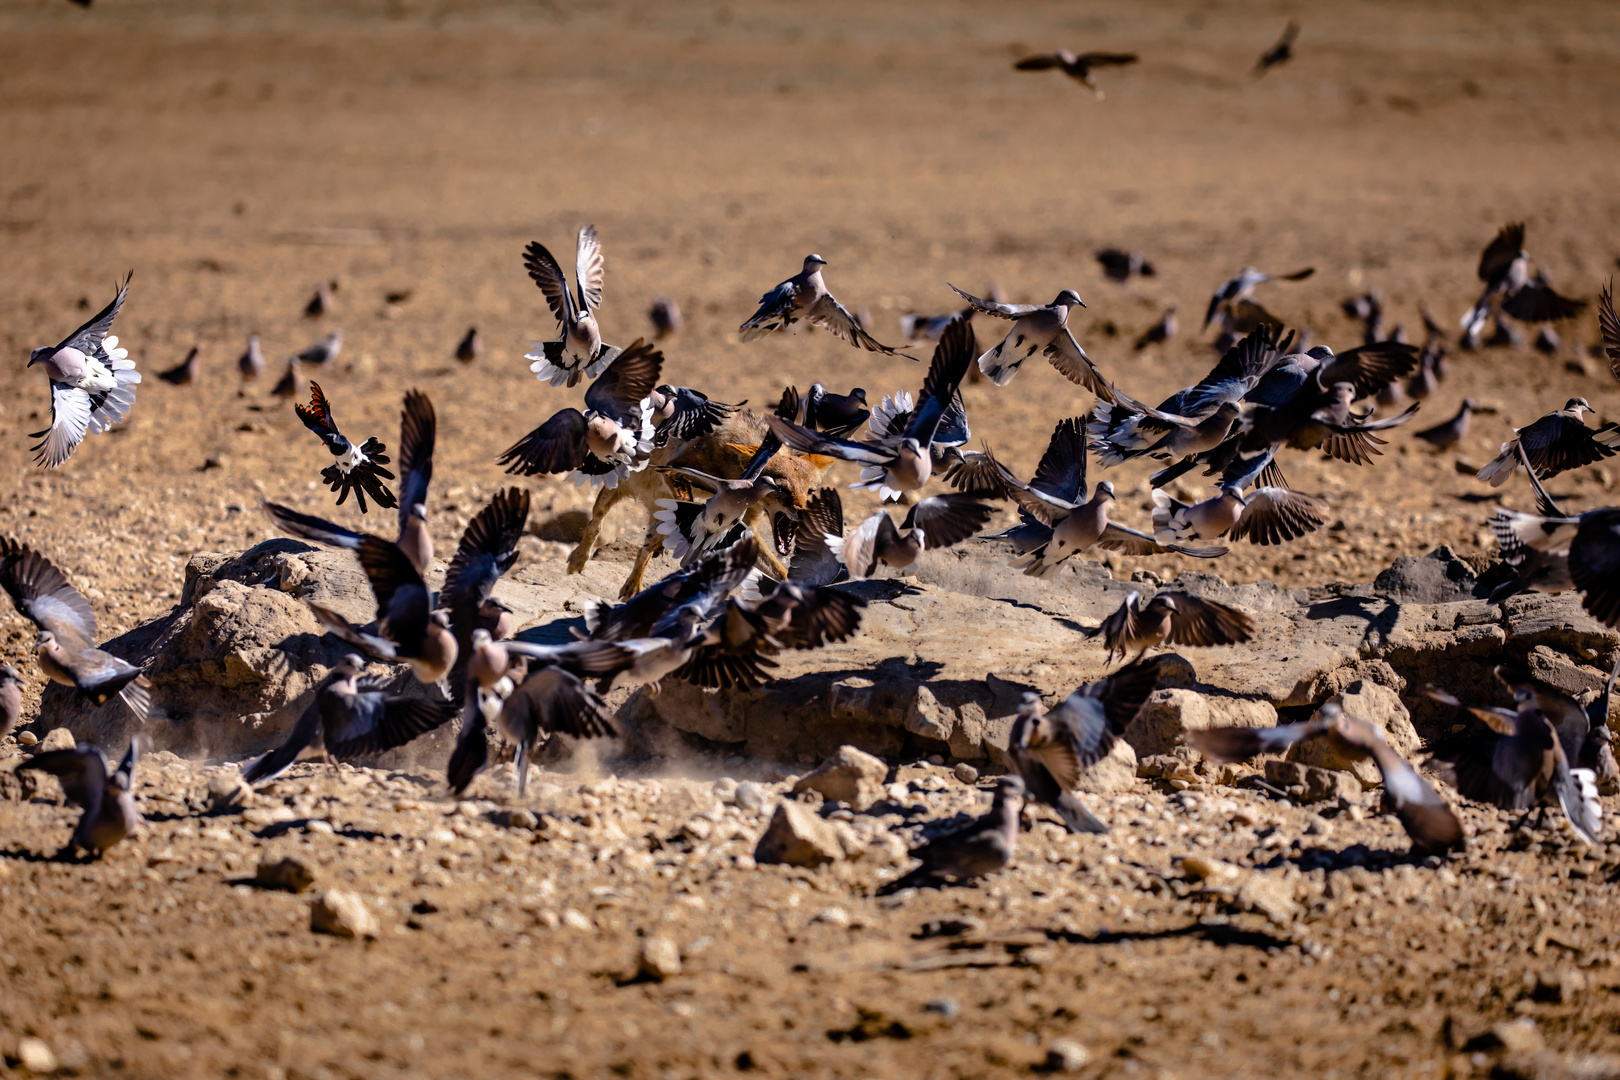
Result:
{"points": [[938, 667]]}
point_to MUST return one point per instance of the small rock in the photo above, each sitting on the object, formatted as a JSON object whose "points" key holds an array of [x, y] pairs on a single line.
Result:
{"points": [[850, 776], [1200, 868], [1271, 897], [725, 789], [928, 718], [936, 759], [1519, 1036], [289, 875], [796, 836], [966, 773], [228, 791], [945, 1007], [342, 914], [58, 739], [832, 916], [522, 819], [577, 920], [1066, 1055], [34, 1055], [750, 797], [660, 959], [1559, 987], [319, 827]]}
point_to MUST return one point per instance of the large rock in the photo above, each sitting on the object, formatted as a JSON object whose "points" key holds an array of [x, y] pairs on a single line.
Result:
{"points": [[1372, 702], [850, 776], [1439, 577], [1116, 772], [797, 836], [1170, 714], [938, 666]]}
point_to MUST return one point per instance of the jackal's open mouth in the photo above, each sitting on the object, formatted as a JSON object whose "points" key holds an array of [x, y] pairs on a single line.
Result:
{"points": [[782, 528]]}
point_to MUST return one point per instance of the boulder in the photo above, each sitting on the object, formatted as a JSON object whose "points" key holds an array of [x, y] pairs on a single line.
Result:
{"points": [[1439, 577], [1372, 702], [1116, 772], [850, 776], [1170, 714], [796, 836]]}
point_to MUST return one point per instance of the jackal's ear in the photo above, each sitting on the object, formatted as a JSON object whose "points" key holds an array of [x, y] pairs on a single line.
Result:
{"points": [[820, 461], [745, 451]]}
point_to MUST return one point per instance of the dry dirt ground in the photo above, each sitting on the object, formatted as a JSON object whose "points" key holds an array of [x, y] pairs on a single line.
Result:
{"points": [[236, 154]]}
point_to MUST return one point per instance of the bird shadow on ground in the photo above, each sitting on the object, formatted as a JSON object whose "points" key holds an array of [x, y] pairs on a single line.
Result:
{"points": [[1380, 614], [1062, 620], [1215, 933], [282, 828], [67, 854], [1334, 859], [556, 632]]}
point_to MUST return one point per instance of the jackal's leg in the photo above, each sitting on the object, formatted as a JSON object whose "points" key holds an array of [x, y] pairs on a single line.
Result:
{"points": [[632, 584], [605, 501], [765, 533]]}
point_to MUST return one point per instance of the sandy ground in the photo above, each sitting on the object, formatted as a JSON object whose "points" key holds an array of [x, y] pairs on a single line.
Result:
{"points": [[234, 155]]}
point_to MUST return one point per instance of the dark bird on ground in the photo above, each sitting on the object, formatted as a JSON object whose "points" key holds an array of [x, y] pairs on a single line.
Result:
{"points": [[1445, 436], [359, 469], [1049, 750], [1077, 67], [939, 521], [185, 372], [351, 716], [323, 351], [1039, 328], [1553, 444], [292, 380], [1518, 764], [251, 363], [92, 383], [67, 630], [804, 297], [579, 353], [665, 316], [1432, 825], [1119, 265], [1504, 267], [1163, 330], [320, 303], [110, 813], [471, 346], [10, 699], [1172, 618], [1242, 287], [613, 436], [980, 847], [1281, 52]]}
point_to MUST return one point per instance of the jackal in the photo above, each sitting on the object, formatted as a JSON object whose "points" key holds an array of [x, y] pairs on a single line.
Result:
{"points": [[723, 453]]}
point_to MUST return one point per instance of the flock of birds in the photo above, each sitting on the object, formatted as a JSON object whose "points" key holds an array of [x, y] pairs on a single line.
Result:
{"points": [[732, 495], [762, 545]]}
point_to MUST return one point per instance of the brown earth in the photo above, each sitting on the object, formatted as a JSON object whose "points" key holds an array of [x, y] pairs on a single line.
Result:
{"points": [[235, 155]]}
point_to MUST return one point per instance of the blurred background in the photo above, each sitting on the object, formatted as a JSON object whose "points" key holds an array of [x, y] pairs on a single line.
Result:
{"points": [[238, 154]]}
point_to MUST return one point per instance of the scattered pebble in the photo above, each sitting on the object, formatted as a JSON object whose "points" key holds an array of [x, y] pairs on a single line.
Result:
{"points": [[966, 773], [660, 959], [288, 875], [1066, 1055], [34, 1055], [342, 914]]}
